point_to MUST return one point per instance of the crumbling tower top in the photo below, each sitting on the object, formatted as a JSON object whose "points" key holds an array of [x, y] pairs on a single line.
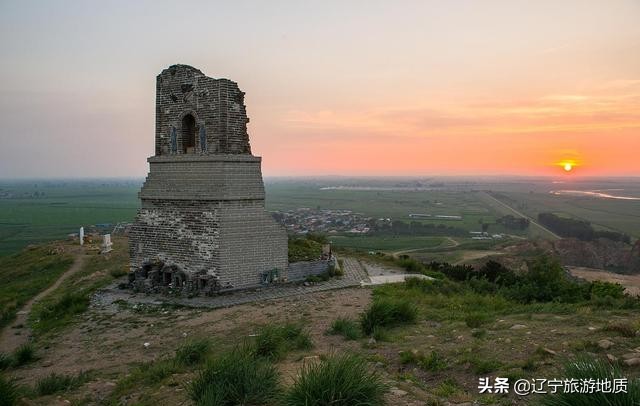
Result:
{"points": [[196, 114]]}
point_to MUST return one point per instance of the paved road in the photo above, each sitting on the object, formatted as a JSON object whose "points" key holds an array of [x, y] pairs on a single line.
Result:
{"points": [[9, 340], [543, 228]]}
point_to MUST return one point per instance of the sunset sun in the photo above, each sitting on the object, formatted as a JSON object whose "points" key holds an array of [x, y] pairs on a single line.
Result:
{"points": [[567, 165]]}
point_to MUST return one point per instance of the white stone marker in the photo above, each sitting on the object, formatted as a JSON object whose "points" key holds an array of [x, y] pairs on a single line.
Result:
{"points": [[81, 236], [106, 244]]}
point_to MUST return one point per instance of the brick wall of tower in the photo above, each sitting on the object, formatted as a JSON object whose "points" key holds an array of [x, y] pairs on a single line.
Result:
{"points": [[204, 210], [179, 232], [216, 104]]}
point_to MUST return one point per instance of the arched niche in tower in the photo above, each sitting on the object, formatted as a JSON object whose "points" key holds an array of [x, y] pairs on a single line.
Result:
{"points": [[188, 132]]}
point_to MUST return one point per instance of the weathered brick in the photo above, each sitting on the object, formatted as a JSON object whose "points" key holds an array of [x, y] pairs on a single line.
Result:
{"points": [[202, 211]]}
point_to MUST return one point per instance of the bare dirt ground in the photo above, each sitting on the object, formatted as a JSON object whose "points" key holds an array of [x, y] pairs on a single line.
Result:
{"points": [[9, 339], [630, 282], [469, 255], [110, 340]]}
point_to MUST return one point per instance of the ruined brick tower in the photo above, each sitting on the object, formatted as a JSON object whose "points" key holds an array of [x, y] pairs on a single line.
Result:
{"points": [[202, 225]]}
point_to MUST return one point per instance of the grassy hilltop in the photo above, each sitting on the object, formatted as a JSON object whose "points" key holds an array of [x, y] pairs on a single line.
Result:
{"points": [[419, 342]]}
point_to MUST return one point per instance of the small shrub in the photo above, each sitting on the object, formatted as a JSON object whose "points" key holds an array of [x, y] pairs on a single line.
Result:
{"points": [[546, 281], [600, 289], [388, 312], [304, 249], [236, 378], [340, 380], [335, 271], [193, 352], [8, 392], [497, 273], [594, 369], [318, 237], [54, 383], [24, 354], [409, 264], [347, 328], [475, 320], [274, 341]]}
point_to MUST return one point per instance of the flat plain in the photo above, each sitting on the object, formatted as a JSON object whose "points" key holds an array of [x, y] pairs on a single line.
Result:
{"points": [[39, 211]]}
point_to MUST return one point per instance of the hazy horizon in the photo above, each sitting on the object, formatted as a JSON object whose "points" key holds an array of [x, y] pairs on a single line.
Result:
{"points": [[419, 89], [434, 177]]}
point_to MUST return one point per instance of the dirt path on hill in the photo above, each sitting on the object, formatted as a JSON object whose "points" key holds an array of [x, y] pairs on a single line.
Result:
{"points": [[447, 243], [472, 255], [18, 333]]}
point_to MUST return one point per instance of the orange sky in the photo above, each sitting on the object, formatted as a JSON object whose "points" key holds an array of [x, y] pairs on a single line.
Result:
{"points": [[347, 88], [597, 129]]}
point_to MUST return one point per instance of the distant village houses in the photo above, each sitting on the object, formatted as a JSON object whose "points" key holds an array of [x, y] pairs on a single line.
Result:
{"points": [[306, 220]]}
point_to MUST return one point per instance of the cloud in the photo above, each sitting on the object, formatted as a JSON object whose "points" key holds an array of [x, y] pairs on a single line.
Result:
{"points": [[587, 113]]}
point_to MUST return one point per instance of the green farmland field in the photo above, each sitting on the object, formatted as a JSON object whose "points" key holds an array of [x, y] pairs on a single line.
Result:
{"points": [[40, 211], [390, 243]]}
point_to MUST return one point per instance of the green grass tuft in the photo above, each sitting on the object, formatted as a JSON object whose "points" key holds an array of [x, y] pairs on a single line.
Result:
{"points": [[25, 274], [596, 369], [24, 354], [5, 361], [273, 341], [478, 333], [54, 383], [340, 380], [447, 388], [432, 362], [483, 366], [152, 372], [236, 378], [8, 392], [193, 352], [387, 312], [58, 313], [347, 328]]}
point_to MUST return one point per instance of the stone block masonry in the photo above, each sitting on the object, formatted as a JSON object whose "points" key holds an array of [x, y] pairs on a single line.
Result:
{"points": [[299, 271], [202, 226]]}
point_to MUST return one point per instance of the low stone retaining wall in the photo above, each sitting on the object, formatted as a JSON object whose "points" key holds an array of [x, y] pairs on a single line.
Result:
{"points": [[299, 271]]}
